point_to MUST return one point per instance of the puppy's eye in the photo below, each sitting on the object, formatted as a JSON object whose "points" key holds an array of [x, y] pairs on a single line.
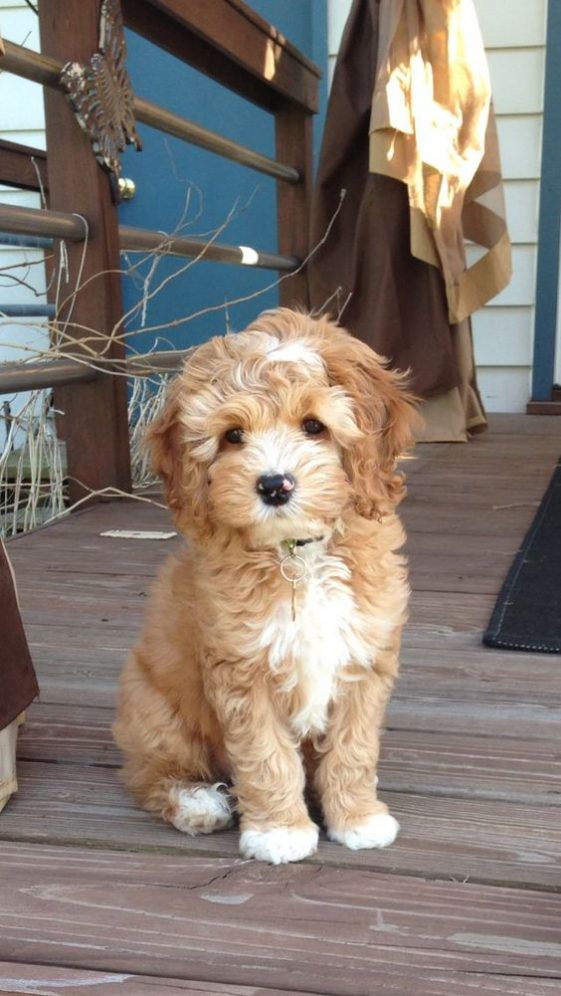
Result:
{"points": [[312, 426], [234, 435]]}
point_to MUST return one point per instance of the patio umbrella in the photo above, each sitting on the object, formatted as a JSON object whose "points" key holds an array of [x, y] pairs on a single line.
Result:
{"points": [[410, 138]]}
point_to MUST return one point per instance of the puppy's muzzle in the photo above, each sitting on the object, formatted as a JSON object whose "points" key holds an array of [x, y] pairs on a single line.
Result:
{"points": [[275, 489]]}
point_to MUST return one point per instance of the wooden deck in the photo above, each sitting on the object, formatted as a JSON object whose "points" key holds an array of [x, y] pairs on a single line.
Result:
{"points": [[96, 894]]}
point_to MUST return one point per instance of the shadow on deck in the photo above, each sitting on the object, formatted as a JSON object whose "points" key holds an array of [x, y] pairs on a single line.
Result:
{"points": [[95, 893]]}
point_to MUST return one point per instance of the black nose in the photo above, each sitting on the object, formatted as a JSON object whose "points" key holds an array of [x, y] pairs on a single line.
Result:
{"points": [[276, 489]]}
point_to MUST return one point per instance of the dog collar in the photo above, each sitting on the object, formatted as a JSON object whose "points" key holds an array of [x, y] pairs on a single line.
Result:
{"points": [[291, 544]]}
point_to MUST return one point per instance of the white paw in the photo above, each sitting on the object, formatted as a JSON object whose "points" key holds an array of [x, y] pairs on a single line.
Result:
{"points": [[378, 831], [200, 808], [279, 844]]}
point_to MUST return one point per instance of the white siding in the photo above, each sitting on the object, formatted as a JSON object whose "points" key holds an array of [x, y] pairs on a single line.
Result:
{"points": [[520, 140], [512, 23], [338, 11], [505, 331], [21, 102], [514, 35], [21, 120], [517, 77]]}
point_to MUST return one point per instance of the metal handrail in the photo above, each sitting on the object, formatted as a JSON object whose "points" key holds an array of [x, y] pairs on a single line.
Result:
{"points": [[27, 310], [37, 374], [74, 227], [45, 70], [189, 131], [37, 221], [33, 375], [31, 65], [144, 240], [25, 241]]}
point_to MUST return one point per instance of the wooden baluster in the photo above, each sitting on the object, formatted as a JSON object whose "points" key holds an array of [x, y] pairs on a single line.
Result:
{"points": [[294, 146], [94, 425]]}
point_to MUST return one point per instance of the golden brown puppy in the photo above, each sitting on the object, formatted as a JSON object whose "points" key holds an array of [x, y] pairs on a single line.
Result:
{"points": [[272, 639]]}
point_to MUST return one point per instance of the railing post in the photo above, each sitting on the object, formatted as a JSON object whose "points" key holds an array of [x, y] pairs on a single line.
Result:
{"points": [[293, 127], [94, 425]]}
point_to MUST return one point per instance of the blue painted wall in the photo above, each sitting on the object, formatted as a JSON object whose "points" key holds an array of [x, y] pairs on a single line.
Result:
{"points": [[183, 187]]}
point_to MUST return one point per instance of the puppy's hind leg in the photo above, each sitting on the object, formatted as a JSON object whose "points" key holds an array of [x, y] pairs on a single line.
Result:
{"points": [[198, 808], [169, 769]]}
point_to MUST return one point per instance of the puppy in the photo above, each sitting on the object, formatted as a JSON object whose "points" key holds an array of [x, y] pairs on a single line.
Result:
{"points": [[272, 639]]}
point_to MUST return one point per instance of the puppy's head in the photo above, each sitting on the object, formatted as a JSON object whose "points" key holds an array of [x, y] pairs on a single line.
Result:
{"points": [[276, 431]]}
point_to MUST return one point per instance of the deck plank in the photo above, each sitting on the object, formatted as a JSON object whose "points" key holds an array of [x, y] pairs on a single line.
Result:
{"points": [[453, 671], [442, 836], [294, 927], [49, 980], [421, 761]]}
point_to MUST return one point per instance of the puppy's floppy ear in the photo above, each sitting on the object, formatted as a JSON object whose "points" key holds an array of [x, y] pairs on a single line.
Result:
{"points": [[184, 478], [164, 441], [385, 414]]}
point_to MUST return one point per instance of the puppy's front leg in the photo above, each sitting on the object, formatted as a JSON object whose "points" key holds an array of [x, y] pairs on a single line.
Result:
{"points": [[346, 775], [267, 768]]}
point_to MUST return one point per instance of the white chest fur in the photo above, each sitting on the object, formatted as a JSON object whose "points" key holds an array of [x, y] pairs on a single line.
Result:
{"points": [[325, 635]]}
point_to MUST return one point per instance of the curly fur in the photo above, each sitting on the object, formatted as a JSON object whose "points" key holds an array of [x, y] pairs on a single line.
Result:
{"points": [[237, 678]]}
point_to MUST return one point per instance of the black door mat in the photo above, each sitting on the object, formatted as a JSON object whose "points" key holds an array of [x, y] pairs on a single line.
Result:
{"points": [[527, 615]]}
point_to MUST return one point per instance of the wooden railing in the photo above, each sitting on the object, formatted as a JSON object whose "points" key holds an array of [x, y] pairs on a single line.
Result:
{"points": [[226, 40]]}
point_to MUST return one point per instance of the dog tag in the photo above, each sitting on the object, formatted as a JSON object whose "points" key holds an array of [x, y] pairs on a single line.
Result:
{"points": [[294, 570]]}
